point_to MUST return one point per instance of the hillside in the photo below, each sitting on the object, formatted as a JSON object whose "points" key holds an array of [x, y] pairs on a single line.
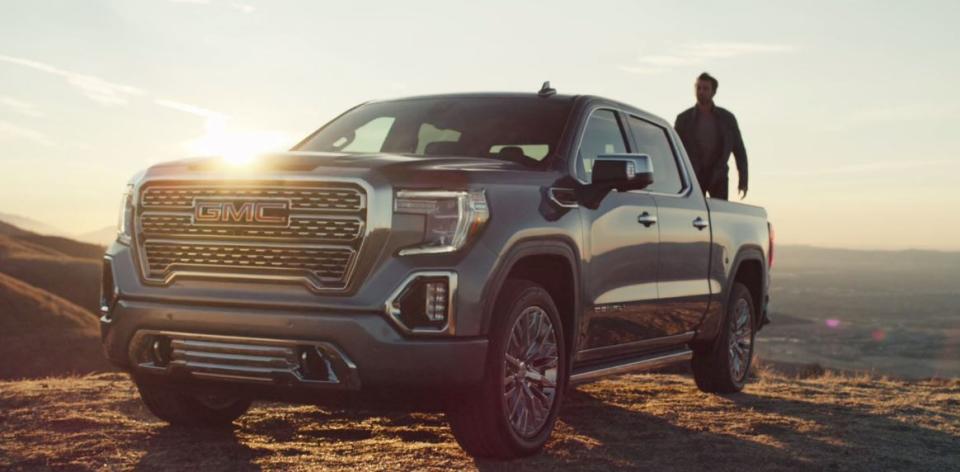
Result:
{"points": [[29, 224], [41, 333], [61, 245], [61, 266], [638, 422]]}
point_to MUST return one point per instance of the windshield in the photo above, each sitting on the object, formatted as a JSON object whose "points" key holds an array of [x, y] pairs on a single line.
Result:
{"points": [[516, 128]]}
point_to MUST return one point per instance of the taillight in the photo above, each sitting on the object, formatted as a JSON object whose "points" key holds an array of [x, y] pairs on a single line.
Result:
{"points": [[772, 239]]}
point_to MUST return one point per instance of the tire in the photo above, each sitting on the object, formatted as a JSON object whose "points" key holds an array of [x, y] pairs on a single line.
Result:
{"points": [[181, 409], [489, 421], [724, 365]]}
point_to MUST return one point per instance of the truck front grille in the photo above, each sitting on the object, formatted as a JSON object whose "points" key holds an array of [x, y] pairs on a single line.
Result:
{"points": [[307, 231]]}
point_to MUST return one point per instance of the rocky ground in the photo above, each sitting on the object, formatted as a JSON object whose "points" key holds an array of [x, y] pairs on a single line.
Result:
{"points": [[639, 422]]}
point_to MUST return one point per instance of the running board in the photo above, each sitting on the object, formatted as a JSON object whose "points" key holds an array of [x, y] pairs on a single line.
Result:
{"points": [[631, 365]]}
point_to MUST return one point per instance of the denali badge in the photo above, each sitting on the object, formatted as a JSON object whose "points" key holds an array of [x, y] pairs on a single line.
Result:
{"points": [[241, 212]]}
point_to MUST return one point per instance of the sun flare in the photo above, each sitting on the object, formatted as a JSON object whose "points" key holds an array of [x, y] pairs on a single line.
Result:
{"points": [[236, 147]]}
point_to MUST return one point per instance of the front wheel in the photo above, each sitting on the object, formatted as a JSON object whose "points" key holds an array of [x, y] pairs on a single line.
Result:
{"points": [[513, 412], [723, 365]]}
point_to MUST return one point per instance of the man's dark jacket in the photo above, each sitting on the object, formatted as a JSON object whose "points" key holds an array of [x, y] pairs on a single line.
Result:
{"points": [[712, 170]]}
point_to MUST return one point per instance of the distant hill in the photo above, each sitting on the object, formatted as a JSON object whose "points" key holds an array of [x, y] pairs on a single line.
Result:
{"points": [[42, 334], [65, 246], [101, 237], [29, 224]]}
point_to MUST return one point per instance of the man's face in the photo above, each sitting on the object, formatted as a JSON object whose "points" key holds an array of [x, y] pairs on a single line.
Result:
{"points": [[704, 91]]}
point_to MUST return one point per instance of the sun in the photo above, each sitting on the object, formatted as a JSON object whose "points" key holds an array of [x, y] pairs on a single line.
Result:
{"points": [[237, 147]]}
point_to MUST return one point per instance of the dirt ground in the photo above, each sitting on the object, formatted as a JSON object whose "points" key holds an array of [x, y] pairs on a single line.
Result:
{"points": [[652, 421]]}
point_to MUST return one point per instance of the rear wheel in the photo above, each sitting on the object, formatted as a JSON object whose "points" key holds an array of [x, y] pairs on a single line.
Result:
{"points": [[513, 412], [723, 365], [183, 409]]}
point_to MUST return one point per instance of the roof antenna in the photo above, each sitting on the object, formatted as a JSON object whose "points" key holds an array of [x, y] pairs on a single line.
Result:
{"points": [[546, 90]]}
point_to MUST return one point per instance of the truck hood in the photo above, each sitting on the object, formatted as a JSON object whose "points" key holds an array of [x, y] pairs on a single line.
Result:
{"points": [[374, 167]]}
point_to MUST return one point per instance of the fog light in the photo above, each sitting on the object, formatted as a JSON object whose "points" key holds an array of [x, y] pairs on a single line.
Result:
{"points": [[436, 301], [423, 303]]}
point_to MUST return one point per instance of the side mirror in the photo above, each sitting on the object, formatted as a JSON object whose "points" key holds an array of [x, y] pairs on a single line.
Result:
{"points": [[620, 172], [623, 171]]}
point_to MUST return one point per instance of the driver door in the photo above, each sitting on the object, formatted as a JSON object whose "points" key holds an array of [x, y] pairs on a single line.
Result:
{"points": [[622, 253]]}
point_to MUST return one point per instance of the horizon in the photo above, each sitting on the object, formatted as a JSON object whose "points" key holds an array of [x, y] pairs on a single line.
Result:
{"points": [[848, 117]]}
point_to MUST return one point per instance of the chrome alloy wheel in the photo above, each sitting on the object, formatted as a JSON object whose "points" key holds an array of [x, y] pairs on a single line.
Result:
{"points": [[740, 340], [530, 371]]}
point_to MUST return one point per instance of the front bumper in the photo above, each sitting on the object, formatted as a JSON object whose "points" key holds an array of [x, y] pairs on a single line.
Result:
{"points": [[382, 358]]}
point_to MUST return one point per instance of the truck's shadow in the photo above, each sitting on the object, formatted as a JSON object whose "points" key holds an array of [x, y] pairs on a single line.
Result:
{"points": [[173, 448], [790, 435]]}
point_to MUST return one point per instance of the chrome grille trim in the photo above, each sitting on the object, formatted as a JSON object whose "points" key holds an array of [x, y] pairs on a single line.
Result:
{"points": [[328, 263], [318, 247], [241, 359], [301, 228], [332, 198]]}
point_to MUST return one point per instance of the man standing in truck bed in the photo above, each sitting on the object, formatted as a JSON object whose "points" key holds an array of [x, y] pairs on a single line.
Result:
{"points": [[709, 134]]}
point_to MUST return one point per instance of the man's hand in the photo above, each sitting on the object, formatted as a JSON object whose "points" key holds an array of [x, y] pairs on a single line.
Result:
{"points": [[743, 192]]}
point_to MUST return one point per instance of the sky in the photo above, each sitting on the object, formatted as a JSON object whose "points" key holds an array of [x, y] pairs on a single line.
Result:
{"points": [[850, 110]]}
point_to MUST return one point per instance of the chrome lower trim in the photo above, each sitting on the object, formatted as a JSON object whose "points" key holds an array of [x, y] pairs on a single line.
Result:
{"points": [[633, 365], [241, 359], [635, 347]]}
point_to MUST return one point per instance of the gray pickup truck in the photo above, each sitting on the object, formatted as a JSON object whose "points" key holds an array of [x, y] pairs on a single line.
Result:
{"points": [[477, 252]]}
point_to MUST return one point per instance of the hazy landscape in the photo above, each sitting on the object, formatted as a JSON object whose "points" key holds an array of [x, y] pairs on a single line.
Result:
{"points": [[859, 363], [891, 313]]}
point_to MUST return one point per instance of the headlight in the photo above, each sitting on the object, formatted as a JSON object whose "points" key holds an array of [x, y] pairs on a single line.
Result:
{"points": [[125, 222], [451, 217]]}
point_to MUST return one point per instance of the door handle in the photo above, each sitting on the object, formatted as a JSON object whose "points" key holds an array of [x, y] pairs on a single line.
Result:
{"points": [[700, 223], [647, 219]]}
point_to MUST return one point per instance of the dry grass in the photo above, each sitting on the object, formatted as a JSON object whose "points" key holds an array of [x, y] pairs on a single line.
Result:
{"points": [[655, 421]]}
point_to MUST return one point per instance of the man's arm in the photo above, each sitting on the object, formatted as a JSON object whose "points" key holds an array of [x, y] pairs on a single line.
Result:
{"points": [[740, 154]]}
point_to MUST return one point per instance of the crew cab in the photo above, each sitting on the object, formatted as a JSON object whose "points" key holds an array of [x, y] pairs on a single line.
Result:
{"points": [[476, 252]]}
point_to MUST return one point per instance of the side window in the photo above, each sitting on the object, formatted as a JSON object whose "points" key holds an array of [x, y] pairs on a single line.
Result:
{"points": [[652, 140], [603, 135], [367, 138]]}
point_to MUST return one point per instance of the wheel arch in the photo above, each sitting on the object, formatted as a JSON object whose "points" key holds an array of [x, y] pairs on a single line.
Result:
{"points": [[553, 263], [749, 268]]}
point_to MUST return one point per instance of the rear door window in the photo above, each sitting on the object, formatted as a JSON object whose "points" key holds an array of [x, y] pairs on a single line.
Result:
{"points": [[653, 141]]}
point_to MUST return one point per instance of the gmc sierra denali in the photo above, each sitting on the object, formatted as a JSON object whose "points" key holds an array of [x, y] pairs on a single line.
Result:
{"points": [[476, 252]]}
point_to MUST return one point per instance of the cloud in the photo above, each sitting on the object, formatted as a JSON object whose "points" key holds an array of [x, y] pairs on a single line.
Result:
{"points": [[21, 107], [244, 7], [94, 88], [698, 53], [12, 131]]}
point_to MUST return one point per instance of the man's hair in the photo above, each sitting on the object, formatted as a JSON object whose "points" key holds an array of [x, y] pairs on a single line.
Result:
{"points": [[711, 79]]}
